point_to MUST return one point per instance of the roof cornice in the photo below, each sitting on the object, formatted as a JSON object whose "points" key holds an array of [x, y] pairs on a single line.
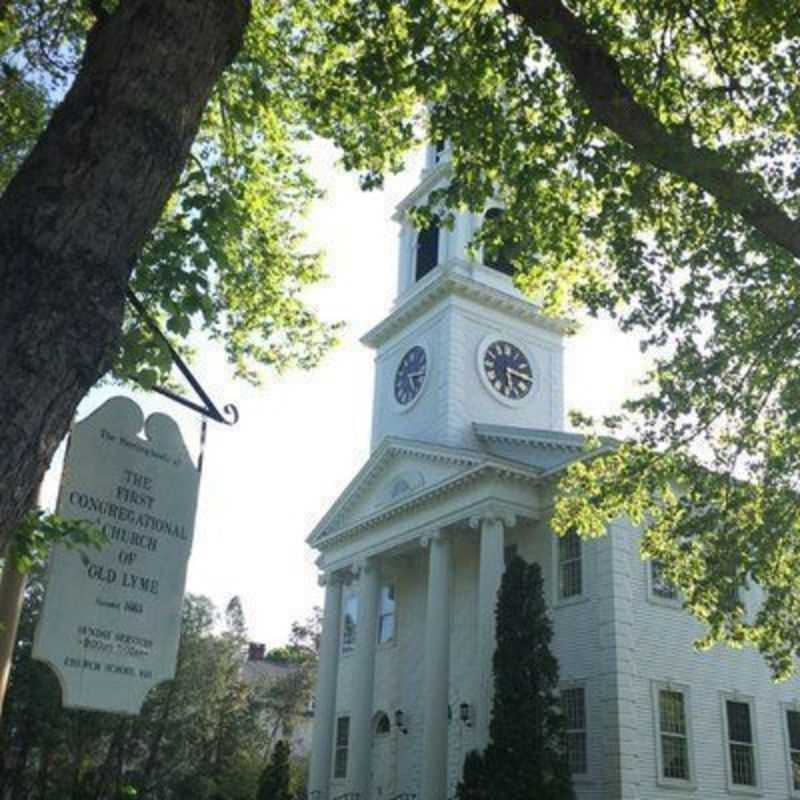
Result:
{"points": [[553, 440], [449, 282], [377, 463], [488, 469]]}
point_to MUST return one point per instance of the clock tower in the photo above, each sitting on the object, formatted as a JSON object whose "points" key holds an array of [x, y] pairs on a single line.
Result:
{"points": [[461, 345]]}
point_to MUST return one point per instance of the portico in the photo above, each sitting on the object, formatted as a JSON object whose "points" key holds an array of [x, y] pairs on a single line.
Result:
{"points": [[472, 516]]}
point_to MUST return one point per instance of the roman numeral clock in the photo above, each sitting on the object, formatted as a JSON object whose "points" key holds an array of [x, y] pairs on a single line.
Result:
{"points": [[409, 378], [506, 370]]}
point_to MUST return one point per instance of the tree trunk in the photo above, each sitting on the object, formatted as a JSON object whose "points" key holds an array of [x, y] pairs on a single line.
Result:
{"points": [[18, 788], [77, 758], [119, 766], [43, 773], [108, 773], [598, 78], [151, 762], [74, 218]]}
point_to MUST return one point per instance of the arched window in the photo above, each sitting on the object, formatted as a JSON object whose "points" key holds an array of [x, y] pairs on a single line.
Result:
{"points": [[500, 259], [427, 250], [381, 724]]}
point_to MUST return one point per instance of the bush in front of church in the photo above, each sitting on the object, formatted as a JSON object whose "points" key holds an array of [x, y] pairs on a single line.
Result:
{"points": [[526, 757], [275, 779]]}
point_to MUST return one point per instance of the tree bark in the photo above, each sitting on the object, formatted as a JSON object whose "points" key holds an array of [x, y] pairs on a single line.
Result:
{"points": [[74, 218], [12, 594], [43, 774], [109, 772], [151, 762], [599, 80]]}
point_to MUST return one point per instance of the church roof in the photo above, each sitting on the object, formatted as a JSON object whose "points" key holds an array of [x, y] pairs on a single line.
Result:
{"points": [[404, 474], [535, 437], [551, 451], [370, 497]]}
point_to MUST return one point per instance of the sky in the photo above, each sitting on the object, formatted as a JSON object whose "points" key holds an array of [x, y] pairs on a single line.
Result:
{"points": [[302, 436]]}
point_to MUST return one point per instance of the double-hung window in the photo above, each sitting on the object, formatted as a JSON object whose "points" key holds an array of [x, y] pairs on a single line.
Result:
{"points": [[661, 586], [742, 760], [573, 704], [793, 743], [674, 762], [386, 615], [342, 747], [570, 567], [349, 622]]}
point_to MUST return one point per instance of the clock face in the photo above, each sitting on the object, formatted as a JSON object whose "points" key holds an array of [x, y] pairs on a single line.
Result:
{"points": [[508, 370], [410, 375]]}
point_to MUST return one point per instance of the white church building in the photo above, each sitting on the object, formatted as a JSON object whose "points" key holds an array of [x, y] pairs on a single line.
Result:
{"points": [[468, 444]]}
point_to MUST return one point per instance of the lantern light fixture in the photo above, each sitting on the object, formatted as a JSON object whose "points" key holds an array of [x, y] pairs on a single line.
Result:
{"points": [[399, 720]]}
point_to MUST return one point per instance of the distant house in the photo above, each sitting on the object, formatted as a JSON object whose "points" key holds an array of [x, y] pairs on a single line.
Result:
{"points": [[259, 666]]}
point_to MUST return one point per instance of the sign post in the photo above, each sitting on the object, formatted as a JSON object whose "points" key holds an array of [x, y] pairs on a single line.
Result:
{"points": [[110, 623], [12, 591]]}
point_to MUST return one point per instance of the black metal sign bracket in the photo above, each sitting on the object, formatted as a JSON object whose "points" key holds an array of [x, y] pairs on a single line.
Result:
{"points": [[229, 414]]}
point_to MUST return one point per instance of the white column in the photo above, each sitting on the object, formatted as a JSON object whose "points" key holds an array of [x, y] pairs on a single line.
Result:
{"points": [[437, 670], [492, 566], [404, 259], [364, 679], [325, 695]]}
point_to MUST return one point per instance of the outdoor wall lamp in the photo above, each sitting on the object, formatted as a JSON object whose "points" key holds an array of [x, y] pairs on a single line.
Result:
{"points": [[399, 720], [465, 714]]}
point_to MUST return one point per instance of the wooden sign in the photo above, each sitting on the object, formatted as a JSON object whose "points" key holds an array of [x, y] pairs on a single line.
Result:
{"points": [[111, 619]]}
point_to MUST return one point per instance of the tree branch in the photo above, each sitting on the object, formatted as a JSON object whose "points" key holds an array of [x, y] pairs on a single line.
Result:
{"points": [[598, 78], [98, 10]]}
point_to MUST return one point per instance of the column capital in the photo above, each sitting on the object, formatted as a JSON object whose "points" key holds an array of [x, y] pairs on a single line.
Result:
{"points": [[431, 536], [330, 578], [493, 513], [362, 566]]}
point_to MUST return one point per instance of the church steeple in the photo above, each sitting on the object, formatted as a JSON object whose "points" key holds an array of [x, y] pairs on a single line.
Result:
{"points": [[421, 251], [461, 345]]}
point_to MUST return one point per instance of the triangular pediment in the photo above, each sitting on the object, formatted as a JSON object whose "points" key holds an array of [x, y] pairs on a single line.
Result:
{"points": [[398, 470]]}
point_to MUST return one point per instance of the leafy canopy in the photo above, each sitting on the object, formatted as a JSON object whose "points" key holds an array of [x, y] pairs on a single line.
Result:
{"points": [[646, 153], [40, 531], [204, 735], [647, 157], [228, 256]]}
